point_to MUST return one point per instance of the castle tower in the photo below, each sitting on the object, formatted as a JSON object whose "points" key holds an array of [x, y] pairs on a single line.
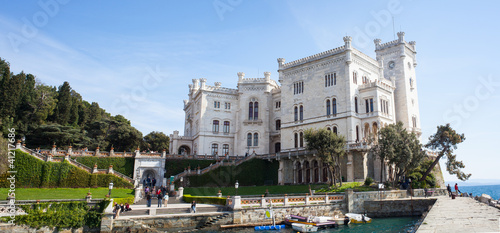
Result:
{"points": [[398, 59]]}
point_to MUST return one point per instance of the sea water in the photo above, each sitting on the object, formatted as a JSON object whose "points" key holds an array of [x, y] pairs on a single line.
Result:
{"points": [[492, 190], [388, 225]]}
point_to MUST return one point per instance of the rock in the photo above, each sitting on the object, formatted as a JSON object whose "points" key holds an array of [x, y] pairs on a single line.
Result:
{"points": [[485, 198]]}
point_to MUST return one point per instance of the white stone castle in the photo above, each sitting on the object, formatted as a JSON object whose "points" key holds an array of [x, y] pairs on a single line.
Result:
{"points": [[341, 89]]}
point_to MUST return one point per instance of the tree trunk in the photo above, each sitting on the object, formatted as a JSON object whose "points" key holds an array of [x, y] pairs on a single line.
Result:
{"points": [[381, 170], [430, 168], [340, 170], [332, 176]]}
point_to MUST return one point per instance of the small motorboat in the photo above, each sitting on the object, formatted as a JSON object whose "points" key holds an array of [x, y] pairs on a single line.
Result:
{"points": [[321, 222], [336, 218], [300, 227], [358, 218]]}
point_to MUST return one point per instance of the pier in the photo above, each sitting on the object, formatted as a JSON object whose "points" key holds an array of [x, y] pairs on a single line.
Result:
{"points": [[462, 214]]}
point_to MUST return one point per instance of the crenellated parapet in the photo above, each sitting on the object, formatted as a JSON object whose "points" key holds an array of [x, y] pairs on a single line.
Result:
{"points": [[314, 57]]}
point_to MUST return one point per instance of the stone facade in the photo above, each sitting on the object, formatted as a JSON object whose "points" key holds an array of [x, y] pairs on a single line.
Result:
{"points": [[342, 90]]}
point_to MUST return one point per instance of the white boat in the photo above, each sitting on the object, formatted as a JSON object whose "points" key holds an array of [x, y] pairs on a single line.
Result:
{"points": [[304, 227], [336, 218], [358, 218]]}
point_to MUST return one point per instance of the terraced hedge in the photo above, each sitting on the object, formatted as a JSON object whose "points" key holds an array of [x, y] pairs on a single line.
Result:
{"points": [[122, 165], [252, 172], [34, 173], [176, 166]]}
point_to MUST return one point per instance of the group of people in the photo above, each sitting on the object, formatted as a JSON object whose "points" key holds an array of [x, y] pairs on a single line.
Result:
{"points": [[148, 182], [120, 208], [160, 193]]}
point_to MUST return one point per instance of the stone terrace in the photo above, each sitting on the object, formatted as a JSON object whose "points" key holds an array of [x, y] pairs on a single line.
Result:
{"points": [[462, 214]]}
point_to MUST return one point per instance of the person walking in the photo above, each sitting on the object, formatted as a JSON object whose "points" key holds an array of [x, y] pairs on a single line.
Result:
{"points": [[456, 189], [193, 207], [449, 190], [165, 198], [148, 198]]}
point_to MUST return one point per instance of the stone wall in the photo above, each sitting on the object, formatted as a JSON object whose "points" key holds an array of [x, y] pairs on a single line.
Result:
{"points": [[398, 208], [255, 215], [171, 223]]}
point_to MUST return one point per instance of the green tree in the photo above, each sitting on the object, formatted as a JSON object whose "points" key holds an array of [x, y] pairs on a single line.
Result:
{"points": [[64, 102], [445, 140], [43, 104], [400, 148], [156, 141], [330, 147], [3, 155]]}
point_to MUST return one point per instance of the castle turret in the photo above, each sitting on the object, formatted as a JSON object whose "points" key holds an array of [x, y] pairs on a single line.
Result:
{"points": [[241, 76], [267, 76], [203, 82], [348, 48]]}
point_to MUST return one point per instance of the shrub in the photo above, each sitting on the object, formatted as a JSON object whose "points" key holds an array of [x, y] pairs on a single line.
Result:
{"points": [[204, 200], [129, 200], [368, 181]]}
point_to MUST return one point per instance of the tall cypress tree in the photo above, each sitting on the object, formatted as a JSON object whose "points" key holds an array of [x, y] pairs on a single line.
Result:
{"points": [[64, 102]]}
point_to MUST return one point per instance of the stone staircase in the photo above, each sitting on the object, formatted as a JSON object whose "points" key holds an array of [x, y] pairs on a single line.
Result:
{"points": [[212, 221]]}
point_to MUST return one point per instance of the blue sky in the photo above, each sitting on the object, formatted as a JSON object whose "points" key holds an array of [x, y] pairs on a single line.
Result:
{"points": [[136, 59]]}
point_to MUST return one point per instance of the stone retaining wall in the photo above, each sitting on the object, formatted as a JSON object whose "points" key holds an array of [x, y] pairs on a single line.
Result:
{"points": [[398, 208]]}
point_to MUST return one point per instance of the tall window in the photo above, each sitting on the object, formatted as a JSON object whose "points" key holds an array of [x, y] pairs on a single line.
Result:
{"points": [[357, 133], [225, 149], [327, 107], [371, 105], [296, 113], [335, 129], [226, 127], [227, 105], [253, 110], [301, 112], [301, 139], [256, 110], [255, 139], [355, 77], [334, 106], [367, 106], [216, 104], [296, 140], [278, 104], [356, 104], [414, 121], [298, 87], [215, 126], [250, 111], [334, 78], [278, 124], [330, 79], [215, 149], [249, 139], [365, 80]]}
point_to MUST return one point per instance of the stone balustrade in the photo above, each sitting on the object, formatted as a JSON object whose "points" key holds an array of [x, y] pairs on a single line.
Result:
{"points": [[237, 202]]}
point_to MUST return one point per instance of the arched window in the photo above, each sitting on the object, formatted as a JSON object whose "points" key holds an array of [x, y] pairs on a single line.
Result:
{"points": [[296, 113], [335, 129], [226, 127], [301, 139], [278, 124], [255, 139], [334, 106], [328, 128], [356, 104], [250, 111], [215, 126], [225, 149], [301, 112], [296, 140], [215, 149], [328, 107], [249, 139], [256, 110]]}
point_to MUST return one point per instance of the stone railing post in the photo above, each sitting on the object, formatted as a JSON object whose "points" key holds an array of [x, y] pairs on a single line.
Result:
{"points": [[236, 203], [219, 194], [285, 200], [112, 152], [107, 218], [326, 199], [180, 193], [307, 199], [96, 151], [349, 196], [95, 169], [138, 193], [110, 169], [66, 157], [70, 150], [137, 152], [88, 198], [263, 201], [164, 153], [18, 144]]}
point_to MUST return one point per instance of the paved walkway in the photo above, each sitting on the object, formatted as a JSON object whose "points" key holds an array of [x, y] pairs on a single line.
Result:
{"points": [[463, 214]]}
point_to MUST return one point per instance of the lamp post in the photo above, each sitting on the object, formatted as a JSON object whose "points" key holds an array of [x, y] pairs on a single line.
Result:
{"points": [[236, 185], [110, 187]]}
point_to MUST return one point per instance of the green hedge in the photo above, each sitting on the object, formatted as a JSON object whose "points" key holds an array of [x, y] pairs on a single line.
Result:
{"points": [[35, 173], [252, 172], [129, 200], [204, 200], [176, 166], [121, 165], [61, 215]]}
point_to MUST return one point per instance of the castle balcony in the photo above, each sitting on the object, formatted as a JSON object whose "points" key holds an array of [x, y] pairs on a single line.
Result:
{"points": [[253, 122], [385, 85]]}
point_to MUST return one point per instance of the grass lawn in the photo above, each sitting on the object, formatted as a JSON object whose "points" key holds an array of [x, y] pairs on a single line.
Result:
{"points": [[277, 189], [64, 193]]}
